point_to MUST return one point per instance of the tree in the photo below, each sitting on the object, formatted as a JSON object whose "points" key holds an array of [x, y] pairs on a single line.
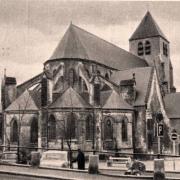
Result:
{"points": [[67, 129]]}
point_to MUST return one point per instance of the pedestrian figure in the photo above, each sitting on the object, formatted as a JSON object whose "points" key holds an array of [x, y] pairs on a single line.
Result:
{"points": [[80, 160]]}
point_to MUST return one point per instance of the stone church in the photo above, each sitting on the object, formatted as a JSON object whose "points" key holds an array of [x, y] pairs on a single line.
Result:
{"points": [[96, 95]]}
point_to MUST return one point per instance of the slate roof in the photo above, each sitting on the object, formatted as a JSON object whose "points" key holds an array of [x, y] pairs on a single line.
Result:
{"points": [[115, 101], [69, 99], [172, 105], [36, 95], [80, 44], [142, 77], [147, 28], [23, 102]]}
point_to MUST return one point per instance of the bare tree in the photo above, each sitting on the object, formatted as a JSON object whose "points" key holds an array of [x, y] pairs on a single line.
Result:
{"points": [[67, 134]]}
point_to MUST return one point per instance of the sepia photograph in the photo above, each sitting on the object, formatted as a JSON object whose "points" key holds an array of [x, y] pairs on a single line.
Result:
{"points": [[90, 90]]}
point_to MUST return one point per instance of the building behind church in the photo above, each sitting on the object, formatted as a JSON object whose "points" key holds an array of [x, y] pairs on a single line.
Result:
{"points": [[97, 95]]}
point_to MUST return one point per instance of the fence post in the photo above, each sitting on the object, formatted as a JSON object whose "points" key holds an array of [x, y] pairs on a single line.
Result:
{"points": [[159, 173]]}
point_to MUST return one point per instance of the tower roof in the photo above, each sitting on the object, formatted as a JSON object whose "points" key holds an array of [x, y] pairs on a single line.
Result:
{"points": [[82, 45], [147, 28]]}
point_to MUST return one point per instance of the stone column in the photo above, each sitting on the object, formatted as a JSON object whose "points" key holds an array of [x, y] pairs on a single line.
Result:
{"points": [[40, 130], [91, 94], [4, 131], [98, 120], [159, 173]]}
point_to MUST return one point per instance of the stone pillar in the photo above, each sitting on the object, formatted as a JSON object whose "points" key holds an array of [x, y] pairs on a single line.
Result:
{"points": [[159, 173], [91, 94], [98, 120], [4, 132], [93, 164], [50, 90], [39, 131]]}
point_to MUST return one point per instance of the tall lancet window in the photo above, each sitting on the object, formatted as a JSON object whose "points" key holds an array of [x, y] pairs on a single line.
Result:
{"points": [[71, 77], [108, 128], [140, 49], [14, 131], [124, 129], [34, 130], [89, 128], [52, 128], [147, 48]]}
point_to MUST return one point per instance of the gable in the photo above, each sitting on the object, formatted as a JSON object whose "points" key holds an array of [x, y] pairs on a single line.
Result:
{"points": [[142, 77], [24, 102], [69, 99]]}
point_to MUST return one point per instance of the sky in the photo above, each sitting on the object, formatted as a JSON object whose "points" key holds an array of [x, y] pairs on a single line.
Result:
{"points": [[31, 29]]}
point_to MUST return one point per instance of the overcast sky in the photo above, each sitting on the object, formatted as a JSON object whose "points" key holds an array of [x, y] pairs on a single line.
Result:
{"points": [[30, 30]]}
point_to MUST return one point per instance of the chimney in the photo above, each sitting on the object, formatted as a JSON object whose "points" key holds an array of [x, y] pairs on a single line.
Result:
{"points": [[128, 89], [9, 91]]}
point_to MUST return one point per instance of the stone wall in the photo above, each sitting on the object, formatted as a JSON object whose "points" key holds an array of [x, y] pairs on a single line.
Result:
{"points": [[24, 127], [117, 117]]}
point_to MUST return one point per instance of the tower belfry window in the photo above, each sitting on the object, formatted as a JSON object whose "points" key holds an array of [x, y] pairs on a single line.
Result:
{"points": [[147, 48], [140, 49]]}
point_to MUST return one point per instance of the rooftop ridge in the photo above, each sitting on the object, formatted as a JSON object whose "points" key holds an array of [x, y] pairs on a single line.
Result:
{"points": [[105, 41]]}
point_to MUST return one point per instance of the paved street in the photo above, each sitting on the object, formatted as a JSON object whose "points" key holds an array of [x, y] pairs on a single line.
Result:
{"points": [[8, 172], [15, 172]]}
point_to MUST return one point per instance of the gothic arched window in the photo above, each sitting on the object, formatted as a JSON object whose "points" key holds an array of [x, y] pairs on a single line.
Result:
{"points": [[124, 129], [51, 128], [147, 48], [140, 49], [71, 126], [89, 128], [107, 76], [14, 131], [71, 77], [34, 130], [108, 128]]}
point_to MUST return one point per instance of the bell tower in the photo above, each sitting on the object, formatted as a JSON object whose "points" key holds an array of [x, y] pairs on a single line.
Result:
{"points": [[149, 42]]}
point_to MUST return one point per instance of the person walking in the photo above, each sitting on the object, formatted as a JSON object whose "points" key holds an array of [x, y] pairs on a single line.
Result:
{"points": [[81, 160]]}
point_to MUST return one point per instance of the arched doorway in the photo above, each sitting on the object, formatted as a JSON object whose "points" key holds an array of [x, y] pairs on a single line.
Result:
{"points": [[34, 131], [14, 131]]}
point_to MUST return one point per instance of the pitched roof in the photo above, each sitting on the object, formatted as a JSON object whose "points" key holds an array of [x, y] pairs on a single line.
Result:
{"points": [[80, 44], [147, 28], [142, 77], [23, 102], [172, 104], [70, 99], [115, 101]]}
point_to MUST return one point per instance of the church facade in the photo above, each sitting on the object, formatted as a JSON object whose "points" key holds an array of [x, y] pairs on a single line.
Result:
{"points": [[94, 95]]}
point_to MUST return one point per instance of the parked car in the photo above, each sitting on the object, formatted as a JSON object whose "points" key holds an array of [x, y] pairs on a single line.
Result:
{"points": [[54, 159]]}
